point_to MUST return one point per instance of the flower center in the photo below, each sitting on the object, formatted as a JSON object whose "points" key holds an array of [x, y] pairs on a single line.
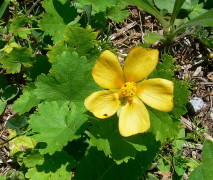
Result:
{"points": [[128, 90]]}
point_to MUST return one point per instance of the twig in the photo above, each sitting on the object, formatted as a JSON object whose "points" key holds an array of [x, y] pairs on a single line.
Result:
{"points": [[122, 30], [189, 125], [141, 27], [207, 136], [2, 132], [29, 11], [191, 146], [207, 83]]}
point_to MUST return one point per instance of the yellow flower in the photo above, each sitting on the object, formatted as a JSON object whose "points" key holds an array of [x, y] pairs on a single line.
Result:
{"points": [[127, 90]]}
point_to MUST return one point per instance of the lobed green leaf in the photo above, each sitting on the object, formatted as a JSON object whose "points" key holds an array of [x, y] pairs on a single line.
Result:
{"points": [[14, 60], [20, 143], [27, 100], [97, 5], [57, 125], [70, 79], [106, 168], [117, 12], [59, 13], [105, 135], [17, 27], [162, 125], [54, 167], [71, 43]]}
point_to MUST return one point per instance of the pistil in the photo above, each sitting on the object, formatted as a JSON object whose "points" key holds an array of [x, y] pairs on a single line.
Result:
{"points": [[127, 92]]}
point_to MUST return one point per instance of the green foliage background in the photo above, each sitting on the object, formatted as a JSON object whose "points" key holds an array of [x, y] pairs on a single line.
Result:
{"points": [[51, 56]]}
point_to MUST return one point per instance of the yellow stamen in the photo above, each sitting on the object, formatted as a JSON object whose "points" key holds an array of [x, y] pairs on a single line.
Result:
{"points": [[128, 91]]}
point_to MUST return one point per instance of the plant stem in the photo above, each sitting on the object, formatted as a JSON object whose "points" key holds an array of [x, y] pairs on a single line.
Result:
{"points": [[29, 11], [177, 6]]}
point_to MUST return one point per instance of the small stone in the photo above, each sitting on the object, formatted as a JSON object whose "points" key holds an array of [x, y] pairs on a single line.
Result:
{"points": [[197, 71], [196, 104]]}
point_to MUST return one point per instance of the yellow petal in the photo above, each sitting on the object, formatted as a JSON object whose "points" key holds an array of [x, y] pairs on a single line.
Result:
{"points": [[102, 104], [157, 93], [107, 71], [134, 118], [140, 62]]}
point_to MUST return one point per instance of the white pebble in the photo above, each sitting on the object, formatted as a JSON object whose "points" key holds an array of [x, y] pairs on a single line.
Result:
{"points": [[197, 103]]}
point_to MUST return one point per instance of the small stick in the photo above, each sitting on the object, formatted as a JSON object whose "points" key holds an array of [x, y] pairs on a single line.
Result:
{"points": [[29, 11]]}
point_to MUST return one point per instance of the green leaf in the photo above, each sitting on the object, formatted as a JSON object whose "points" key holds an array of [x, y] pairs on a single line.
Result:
{"points": [[78, 148], [70, 79], [17, 124], [80, 40], [3, 7], [17, 27], [165, 68], [98, 5], [75, 39], [204, 170], [181, 97], [57, 125], [117, 12], [174, 6], [17, 58], [207, 154], [33, 159], [177, 6], [27, 100], [3, 105], [3, 82], [207, 41], [178, 143], [21, 144], [152, 177], [55, 167], [105, 135], [9, 92], [98, 21], [106, 168], [179, 163], [2, 177], [164, 164], [58, 14], [40, 66], [192, 163], [203, 20], [162, 125], [9, 47], [190, 4], [197, 11], [167, 4], [152, 37], [15, 174]]}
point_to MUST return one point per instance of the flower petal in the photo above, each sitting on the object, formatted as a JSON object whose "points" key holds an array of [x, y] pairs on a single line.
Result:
{"points": [[140, 62], [107, 71], [157, 93], [134, 118], [102, 104]]}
